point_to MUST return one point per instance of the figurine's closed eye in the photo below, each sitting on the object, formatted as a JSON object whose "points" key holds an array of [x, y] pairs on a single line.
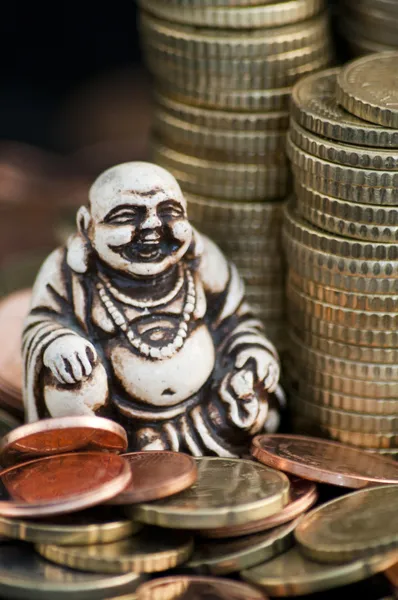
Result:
{"points": [[170, 210], [124, 215]]}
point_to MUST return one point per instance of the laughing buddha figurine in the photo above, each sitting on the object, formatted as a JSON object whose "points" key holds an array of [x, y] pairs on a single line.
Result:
{"points": [[141, 319]]}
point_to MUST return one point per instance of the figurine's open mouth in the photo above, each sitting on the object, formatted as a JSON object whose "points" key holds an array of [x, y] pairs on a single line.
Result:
{"points": [[153, 250]]}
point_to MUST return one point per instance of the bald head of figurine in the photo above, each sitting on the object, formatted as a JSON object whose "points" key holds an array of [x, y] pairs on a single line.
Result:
{"points": [[137, 222]]}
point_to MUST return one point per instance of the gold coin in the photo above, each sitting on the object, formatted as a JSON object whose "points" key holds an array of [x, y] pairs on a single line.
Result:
{"points": [[350, 351], [267, 15], [344, 385], [330, 399], [328, 170], [226, 44], [260, 217], [24, 574], [365, 194], [212, 143], [342, 333], [340, 419], [346, 227], [245, 101], [341, 366], [260, 72], [273, 76], [221, 557], [368, 88], [92, 526], [341, 272], [315, 108], [364, 441], [359, 524], [256, 122], [225, 180], [196, 587], [220, 497], [361, 302], [312, 237], [291, 574], [380, 216], [343, 154], [341, 316], [148, 552]]}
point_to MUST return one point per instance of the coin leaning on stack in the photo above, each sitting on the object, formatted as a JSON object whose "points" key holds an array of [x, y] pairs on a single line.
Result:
{"points": [[223, 75], [369, 25], [340, 235]]}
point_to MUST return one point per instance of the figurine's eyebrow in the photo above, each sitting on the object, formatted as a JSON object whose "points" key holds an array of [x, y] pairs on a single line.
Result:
{"points": [[173, 203]]}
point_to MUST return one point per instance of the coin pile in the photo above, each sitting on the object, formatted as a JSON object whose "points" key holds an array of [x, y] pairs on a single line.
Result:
{"points": [[369, 25], [148, 512], [224, 73], [340, 235]]}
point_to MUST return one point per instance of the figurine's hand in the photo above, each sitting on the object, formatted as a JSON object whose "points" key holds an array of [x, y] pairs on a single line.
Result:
{"points": [[267, 367], [237, 391], [70, 359]]}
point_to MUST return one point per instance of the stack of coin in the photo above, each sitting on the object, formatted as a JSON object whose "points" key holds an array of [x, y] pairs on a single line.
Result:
{"points": [[369, 25], [224, 73], [340, 237]]}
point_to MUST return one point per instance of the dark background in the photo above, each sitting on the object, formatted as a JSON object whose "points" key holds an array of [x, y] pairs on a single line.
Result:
{"points": [[47, 55]]}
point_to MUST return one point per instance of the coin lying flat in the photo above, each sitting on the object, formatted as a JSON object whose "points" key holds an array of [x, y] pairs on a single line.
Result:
{"points": [[24, 574], [222, 557], [147, 552], [157, 475], [291, 574], [201, 588], [324, 461], [227, 491], [302, 495], [62, 483], [368, 88], [98, 525], [355, 525], [59, 435], [314, 107]]}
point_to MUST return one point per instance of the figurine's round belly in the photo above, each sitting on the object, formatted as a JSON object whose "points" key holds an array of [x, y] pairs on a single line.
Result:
{"points": [[168, 381]]}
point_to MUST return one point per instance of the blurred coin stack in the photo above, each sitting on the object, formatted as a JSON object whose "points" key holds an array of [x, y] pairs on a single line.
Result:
{"points": [[224, 72], [369, 25], [340, 236]]}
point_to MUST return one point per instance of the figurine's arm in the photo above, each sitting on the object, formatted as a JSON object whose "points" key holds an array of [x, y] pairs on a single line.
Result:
{"points": [[53, 337], [241, 340]]}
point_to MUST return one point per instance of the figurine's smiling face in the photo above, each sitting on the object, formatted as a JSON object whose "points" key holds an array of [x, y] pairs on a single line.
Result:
{"points": [[139, 223]]}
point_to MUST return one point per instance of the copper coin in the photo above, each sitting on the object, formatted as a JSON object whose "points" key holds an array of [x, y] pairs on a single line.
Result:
{"points": [[302, 495], [61, 484], [59, 435], [197, 588], [324, 461], [157, 475], [13, 310]]}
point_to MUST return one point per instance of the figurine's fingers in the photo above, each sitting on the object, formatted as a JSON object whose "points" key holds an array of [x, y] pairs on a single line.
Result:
{"points": [[85, 364], [63, 368], [76, 367], [271, 381], [56, 374], [91, 353]]}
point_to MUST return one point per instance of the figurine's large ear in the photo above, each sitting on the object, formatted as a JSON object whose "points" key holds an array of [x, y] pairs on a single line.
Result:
{"points": [[79, 247], [196, 247]]}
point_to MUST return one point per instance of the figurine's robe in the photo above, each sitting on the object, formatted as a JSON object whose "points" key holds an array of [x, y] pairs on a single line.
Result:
{"points": [[173, 403]]}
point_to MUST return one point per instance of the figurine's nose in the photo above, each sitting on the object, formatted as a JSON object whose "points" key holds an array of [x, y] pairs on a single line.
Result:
{"points": [[151, 220]]}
